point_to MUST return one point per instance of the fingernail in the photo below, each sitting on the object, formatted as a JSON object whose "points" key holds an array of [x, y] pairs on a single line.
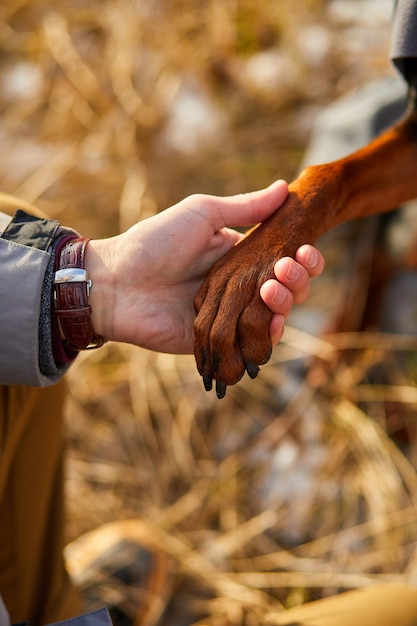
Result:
{"points": [[279, 295], [312, 257], [293, 272]]}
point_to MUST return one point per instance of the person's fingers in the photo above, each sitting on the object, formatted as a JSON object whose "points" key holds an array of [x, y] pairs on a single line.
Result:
{"points": [[293, 276], [277, 297], [296, 274], [255, 206], [241, 210], [293, 280], [276, 328], [311, 259], [291, 286]]}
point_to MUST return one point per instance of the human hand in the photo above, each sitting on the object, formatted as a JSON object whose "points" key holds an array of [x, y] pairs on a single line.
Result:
{"points": [[145, 280]]}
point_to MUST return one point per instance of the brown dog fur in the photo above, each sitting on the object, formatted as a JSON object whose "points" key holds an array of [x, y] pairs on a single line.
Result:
{"points": [[232, 323]]}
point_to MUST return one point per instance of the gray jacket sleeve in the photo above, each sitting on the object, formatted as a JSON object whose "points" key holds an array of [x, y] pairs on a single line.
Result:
{"points": [[404, 35], [4, 616], [97, 617], [23, 269]]}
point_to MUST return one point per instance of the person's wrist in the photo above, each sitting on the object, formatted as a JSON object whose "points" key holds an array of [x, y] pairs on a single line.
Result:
{"points": [[101, 293]]}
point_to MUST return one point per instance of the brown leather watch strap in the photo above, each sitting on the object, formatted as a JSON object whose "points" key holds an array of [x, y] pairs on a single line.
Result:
{"points": [[71, 290]]}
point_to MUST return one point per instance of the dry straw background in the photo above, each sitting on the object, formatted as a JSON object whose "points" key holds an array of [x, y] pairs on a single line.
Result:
{"points": [[300, 484]]}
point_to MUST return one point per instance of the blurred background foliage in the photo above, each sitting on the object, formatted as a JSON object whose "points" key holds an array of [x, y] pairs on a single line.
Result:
{"points": [[136, 104], [299, 484]]}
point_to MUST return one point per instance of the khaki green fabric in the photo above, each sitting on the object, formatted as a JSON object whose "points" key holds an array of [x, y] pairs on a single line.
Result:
{"points": [[33, 581]]}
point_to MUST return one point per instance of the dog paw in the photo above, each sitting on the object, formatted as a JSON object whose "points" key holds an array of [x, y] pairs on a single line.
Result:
{"points": [[232, 323]]}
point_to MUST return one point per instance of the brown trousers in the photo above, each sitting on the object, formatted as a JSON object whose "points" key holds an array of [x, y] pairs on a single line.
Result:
{"points": [[33, 581]]}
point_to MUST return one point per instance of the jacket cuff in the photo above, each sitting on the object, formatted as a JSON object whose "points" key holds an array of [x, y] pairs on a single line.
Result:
{"points": [[27, 245]]}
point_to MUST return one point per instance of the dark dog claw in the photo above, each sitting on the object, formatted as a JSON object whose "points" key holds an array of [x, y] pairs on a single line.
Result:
{"points": [[220, 389], [252, 369], [207, 381]]}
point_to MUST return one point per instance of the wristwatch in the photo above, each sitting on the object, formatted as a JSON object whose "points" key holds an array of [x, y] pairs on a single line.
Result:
{"points": [[70, 302]]}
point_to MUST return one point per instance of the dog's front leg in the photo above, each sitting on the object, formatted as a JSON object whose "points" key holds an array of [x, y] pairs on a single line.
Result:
{"points": [[232, 323]]}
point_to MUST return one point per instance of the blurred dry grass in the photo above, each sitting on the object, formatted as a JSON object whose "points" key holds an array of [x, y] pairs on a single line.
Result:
{"points": [[294, 486]]}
